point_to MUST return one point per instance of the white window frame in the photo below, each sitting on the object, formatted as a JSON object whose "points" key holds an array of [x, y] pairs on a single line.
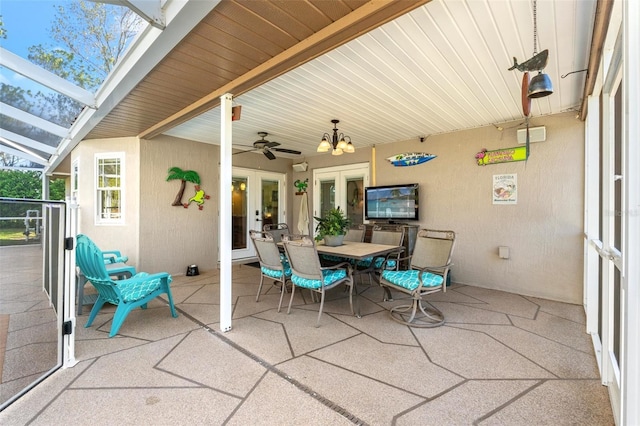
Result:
{"points": [[99, 220]]}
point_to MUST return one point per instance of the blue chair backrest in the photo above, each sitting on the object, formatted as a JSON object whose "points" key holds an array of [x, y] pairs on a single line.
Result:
{"points": [[90, 260]]}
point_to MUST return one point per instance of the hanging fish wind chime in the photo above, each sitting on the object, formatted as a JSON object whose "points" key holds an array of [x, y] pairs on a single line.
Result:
{"points": [[540, 85]]}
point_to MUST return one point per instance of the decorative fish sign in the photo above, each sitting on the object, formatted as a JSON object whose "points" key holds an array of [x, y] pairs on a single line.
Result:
{"points": [[410, 158], [536, 63]]}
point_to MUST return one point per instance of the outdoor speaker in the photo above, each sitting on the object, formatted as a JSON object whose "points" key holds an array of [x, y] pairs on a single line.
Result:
{"points": [[300, 167], [536, 134]]}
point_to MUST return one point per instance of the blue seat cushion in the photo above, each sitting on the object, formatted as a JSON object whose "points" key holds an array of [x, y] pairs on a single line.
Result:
{"points": [[410, 279], [276, 273], [330, 276], [377, 263]]}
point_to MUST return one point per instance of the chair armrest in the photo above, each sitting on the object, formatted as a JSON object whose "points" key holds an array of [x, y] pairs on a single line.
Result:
{"points": [[114, 256], [146, 277], [398, 259], [345, 265]]}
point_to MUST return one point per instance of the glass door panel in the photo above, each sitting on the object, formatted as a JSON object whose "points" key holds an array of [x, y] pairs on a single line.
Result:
{"points": [[342, 187], [327, 196], [355, 200], [258, 198], [269, 202], [239, 208]]}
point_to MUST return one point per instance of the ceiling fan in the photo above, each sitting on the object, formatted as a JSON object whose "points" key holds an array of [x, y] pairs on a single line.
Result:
{"points": [[266, 147]]}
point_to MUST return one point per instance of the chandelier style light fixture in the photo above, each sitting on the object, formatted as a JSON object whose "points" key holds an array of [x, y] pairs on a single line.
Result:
{"points": [[336, 143]]}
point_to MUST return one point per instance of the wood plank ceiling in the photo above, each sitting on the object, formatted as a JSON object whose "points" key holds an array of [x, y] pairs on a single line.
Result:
{"points": [[389, 70], [238, 46]]}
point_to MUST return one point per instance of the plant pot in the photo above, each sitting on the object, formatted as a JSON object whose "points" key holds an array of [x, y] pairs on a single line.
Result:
{"points": [[333, 240]]}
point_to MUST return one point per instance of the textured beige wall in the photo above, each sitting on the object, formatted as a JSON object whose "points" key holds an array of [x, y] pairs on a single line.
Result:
{"points": [[544, 229], [171, 238], [109, 237]]}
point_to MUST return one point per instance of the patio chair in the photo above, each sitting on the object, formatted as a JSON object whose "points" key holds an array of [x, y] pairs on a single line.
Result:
{"points": [[308, 273], [126, 294], [277, 230], [390, 235], [118, 270], [428, 271], [116, 266], [273, 263]]}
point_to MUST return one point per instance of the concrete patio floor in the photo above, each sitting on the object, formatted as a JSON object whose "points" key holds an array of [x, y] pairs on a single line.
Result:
{"points": [[500, 358]]}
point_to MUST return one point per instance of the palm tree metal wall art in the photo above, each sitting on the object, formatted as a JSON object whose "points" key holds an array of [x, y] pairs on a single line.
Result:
{"points": [[185, 176]]}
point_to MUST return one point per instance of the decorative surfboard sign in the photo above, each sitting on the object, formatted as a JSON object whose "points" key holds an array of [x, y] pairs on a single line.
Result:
{"points": [[410, 158], [504, 155]]}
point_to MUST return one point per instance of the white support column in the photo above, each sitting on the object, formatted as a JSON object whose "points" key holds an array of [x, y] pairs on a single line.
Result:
{"points": [[630, 377], [591, 293], [69, 340], [225, 222]]}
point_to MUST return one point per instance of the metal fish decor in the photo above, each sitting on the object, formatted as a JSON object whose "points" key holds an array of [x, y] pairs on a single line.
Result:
{"points": [[535, 63], [410, 158]]}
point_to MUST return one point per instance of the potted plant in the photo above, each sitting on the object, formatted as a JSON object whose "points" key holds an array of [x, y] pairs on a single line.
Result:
{"points": [[332, 227]]}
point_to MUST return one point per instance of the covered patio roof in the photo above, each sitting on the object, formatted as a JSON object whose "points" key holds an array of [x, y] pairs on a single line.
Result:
{"points": [[388, 70]]}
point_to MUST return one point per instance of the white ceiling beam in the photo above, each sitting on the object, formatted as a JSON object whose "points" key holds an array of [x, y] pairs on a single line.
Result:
{"points": [[24, 141], [33, 120], [149, 10], [18, 151], [40, 75], [148, 50]]}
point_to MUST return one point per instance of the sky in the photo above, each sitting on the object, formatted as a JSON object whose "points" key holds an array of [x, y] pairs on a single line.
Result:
{"points": [[27, 23]]}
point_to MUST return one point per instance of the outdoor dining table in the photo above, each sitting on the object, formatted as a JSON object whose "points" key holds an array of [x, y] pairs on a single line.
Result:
{"points": [[356, 250]]}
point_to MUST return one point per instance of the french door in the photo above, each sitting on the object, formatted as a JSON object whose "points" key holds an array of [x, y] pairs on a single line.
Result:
{"points": [[341, 186], [258, 198]]}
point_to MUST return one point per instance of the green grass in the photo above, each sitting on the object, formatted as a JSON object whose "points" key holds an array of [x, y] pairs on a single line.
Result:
{"points": [[15, 236]]}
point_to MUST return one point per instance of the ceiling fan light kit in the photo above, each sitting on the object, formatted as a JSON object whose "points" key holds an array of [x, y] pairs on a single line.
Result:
{"points": [[338, 144]]}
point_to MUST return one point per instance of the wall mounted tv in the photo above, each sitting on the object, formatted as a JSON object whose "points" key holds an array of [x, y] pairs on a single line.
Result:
{"points": [[391, 202]]}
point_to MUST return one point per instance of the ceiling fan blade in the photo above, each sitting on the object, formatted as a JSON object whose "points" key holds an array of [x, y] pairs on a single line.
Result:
{"points": [[288, 151], [242, 152], [271, 144], [269, 154]]}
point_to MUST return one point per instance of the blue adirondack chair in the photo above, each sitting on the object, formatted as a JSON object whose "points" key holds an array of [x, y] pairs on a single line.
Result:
{"points": [[126, 294]]}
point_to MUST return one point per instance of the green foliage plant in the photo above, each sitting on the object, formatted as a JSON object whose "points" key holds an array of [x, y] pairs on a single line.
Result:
{"points": [[334, 222]]}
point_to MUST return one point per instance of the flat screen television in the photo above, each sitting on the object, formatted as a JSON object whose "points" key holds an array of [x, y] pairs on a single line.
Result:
{"points": [[392, 203]]}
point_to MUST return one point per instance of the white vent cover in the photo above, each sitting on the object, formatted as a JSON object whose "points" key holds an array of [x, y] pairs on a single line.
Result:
{"points": [[301, 167], [536, 134]]}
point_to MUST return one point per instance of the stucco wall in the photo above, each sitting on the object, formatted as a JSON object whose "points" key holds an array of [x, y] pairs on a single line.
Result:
{"points": [[171, 238], [544, 229], [109, 237]]}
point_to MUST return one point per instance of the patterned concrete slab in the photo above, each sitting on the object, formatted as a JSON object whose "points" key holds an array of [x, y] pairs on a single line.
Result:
{"points": [[275, 401], [500, 301], [476, 355], [208, 361], [368, 399], [554, 402], [467, 403], [161, 406], [406, 368], [501, 358], [133, 368], [250, 334], [557, 358]]}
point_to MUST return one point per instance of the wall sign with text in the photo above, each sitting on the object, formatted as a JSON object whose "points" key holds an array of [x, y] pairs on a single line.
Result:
{"points": [[504, 155]]}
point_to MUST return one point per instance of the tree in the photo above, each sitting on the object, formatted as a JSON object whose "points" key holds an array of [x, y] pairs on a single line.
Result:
{"points": [[94, 35], [184, 176]]}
